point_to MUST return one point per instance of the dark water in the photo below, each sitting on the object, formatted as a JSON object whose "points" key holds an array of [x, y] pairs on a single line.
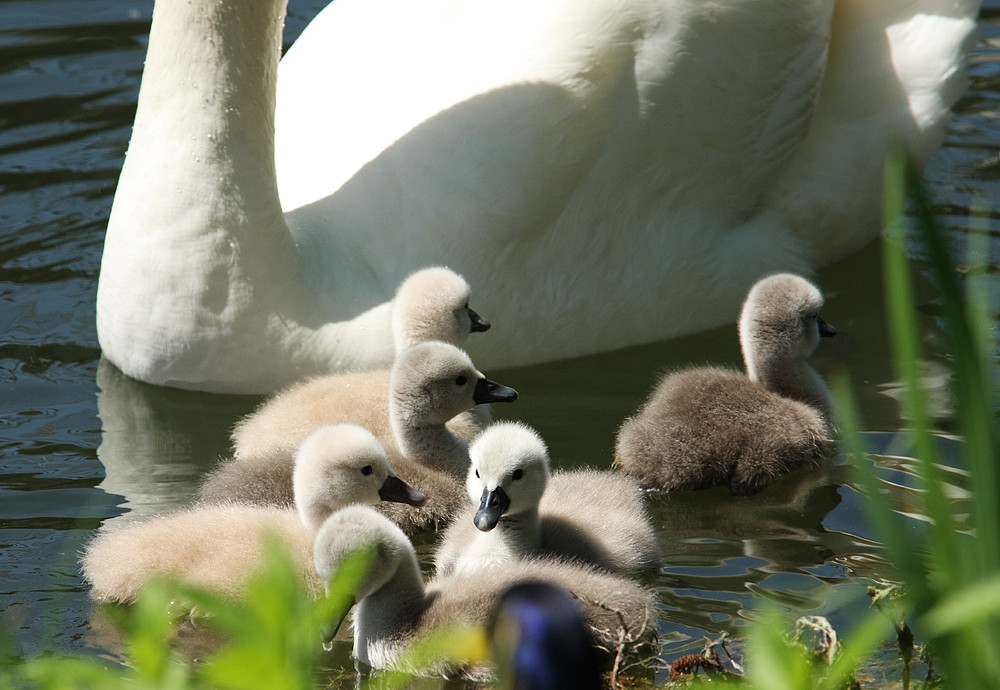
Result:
{"points": [[81, 444]]}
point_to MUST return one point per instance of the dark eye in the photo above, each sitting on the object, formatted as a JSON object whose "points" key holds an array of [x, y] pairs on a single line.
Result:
{"points": [[461, 380], [477, 474], [518, 474], [366, 470]]}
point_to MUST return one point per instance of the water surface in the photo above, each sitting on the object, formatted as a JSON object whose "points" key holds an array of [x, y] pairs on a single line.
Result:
{"points": [[82, 444]]}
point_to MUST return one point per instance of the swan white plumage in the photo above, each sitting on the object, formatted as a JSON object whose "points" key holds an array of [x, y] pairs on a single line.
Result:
{"points": [[589, 159]]}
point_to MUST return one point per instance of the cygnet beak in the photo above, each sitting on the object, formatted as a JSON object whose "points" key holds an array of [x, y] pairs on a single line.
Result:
{"points": [[396, 490], [491, 507], [825, 329], [479, 324], [490, 391]]}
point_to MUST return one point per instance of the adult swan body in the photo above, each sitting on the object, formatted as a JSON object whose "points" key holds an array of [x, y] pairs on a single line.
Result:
{"points": [[581, 163]]}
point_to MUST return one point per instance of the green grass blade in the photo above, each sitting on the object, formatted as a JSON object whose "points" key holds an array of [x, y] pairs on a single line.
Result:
{"points": [[968, 606], [977, 407], [873, 630], [774, 663], [901, 547], [907, 358]]}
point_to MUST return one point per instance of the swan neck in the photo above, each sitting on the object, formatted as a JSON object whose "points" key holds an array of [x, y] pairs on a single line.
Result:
{"points": [[434, 446], [202, 148], [431, 444], [389, 614], [791, 378], [522, 532]]}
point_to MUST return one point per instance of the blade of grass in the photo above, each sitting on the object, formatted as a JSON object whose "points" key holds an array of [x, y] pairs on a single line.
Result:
{"points": [[776, 665], [972, 394], [978, 421], [902, 548], [873, 630], [968, 606], [907, 358]]}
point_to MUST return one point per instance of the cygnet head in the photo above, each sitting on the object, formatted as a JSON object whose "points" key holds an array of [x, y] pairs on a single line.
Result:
{"points": [[359, 527], [508, 472], [340, 465], [432, 382], [433, 304], [360, 530], [780, 321]]}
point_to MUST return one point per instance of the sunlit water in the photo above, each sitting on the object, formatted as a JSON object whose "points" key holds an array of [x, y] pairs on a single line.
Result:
{"points": [[81, 444]]}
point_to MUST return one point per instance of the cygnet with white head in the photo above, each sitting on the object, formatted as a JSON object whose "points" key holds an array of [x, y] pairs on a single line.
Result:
{"points": [[219, 547], [431, 304], [394, 607], [429, 384], [522, 511]]}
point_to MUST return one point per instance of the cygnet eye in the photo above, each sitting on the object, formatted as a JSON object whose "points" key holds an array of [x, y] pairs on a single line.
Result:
{"points": [[518, 474], [461, 380], [477, 474], [367, 469]]}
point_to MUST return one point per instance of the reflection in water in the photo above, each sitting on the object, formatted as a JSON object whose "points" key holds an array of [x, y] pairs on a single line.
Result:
{"points": [[157, 442]]}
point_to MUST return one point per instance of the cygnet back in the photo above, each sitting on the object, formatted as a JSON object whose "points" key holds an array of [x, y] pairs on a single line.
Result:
{"points": [[219, 547], [709, 426], [426, 453], [394, 607]]}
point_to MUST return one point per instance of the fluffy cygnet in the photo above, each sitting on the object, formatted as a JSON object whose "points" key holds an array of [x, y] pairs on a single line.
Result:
{"points": [[430, 383], [219, 547], [431, 304], [709, 426], [520, 511], [394, 606]]}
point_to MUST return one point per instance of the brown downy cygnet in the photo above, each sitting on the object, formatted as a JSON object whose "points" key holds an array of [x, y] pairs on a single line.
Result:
{"points": [[431, 304], [394, 607], [711, 426], [429, 383], [519, 511], [219, 547]]}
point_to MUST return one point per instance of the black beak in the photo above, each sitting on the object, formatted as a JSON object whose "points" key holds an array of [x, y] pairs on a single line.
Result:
{"points": [[490, 391], [825, 329], [479, 324], [491, 507], [396, 490]]}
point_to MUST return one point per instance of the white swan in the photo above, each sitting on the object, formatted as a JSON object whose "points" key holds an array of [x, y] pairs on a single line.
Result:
{"points": [[583, 162]]}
